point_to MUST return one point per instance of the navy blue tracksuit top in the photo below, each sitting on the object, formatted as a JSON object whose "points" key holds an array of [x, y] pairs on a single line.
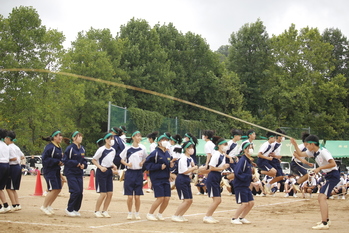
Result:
{"points": [[243, 173], [154, 162]]}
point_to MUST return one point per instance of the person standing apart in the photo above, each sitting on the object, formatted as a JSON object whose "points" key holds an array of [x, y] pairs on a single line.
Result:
{"points": [[158, 164], [14, 179], [52, 162], [74, 163], [186, 166], [133, 158], [4, 171], [103, 159]]}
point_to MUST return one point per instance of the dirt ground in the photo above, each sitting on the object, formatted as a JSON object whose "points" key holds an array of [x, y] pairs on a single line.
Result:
{"points": [[270, 214]]}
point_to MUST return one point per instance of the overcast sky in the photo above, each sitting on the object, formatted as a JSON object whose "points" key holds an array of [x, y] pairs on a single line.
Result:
{"points": [[214, 20]]}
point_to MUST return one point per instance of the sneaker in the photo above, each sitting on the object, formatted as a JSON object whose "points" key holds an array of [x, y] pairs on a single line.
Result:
{"points": [[199, 193], [236, 221], [343, 197], [151, 217], [149, 191], [176, 219], [137, 216], [210, 220], [183, 218], [321, 227], [331, 197], [70, 213], [296, 187], [286, 195], [5, 210], [328, 223], [45, 210], [160, 217], [98, 214], [244, 221], [77, 213], [18, 207], [294, 195], [105, 214], [50, 209], [130, 216]]}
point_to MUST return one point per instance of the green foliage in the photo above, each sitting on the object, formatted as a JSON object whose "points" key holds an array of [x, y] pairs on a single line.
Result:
{"points": [[146, 121]]}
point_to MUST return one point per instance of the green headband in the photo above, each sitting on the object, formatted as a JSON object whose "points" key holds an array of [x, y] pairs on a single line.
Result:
{"points": [[135, 134], [13, 140], [112, 129], [187, 136], [122, 129], [162, 136], [188, 144], [171, 138], [74, 134], [316, 143], [222, 142], [55, 133], [105, 137], [251, 133], [246, 145]]}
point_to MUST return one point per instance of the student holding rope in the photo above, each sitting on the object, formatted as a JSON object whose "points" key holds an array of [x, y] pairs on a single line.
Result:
{"points": [[327, 164]]}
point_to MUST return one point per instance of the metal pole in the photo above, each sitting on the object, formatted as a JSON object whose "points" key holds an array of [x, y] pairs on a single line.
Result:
{"points": [[109, 114], [125, 115]]}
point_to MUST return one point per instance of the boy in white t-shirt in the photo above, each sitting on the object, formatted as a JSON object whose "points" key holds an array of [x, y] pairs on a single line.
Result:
{"points": [[325, 163]]}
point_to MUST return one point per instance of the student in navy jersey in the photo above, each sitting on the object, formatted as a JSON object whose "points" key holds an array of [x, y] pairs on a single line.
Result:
{"points": [[216, 165], [251, 136], [14, 180], [327, 164], [119, 145], [242, 182], [52, 162], [186, 166], [4, 171], [103, 159], [133, 157], [74, 163], [233, 151], [152, 140], [158, 164]]}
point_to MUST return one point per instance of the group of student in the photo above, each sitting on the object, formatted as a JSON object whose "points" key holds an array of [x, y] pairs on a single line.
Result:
{"points": [[10, 171], [173, 158]]}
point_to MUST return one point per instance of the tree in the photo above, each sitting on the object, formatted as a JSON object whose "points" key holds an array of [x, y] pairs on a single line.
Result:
{"points": [[147, 66], [33, 104], [249, 58]]}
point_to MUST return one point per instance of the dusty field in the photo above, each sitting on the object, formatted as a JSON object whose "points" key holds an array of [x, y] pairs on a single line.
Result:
{"points": [[270, 214]]}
